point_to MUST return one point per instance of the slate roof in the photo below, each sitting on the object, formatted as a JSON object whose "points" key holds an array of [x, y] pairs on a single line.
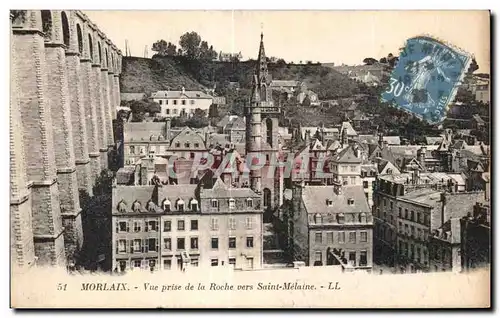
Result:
{"points": [[478, 119], [181, 94], [314, 198], [125, 175], [346, 155], [236, 123], [127, 195], [224, 121], [222, 190], [350, 131], [409, 150], [142, 130], [450, 231], [433, 140], [425, 196], [284, 83], [188, 135]]}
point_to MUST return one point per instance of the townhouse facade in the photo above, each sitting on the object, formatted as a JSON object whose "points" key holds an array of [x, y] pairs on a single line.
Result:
{"points": [[173, 227], [182, 103], [407, 208], [331, 225]]}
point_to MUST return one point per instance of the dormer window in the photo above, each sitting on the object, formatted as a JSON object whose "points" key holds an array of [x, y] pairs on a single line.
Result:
{"points": [[194, 205], [318, 218], [329, 202], [340, 218], [122, 206], [197, 145], [232, 203], [136, 206], [180, 205], [166, 205], [362, 217], [350, 201], [187, 145], [249, 203], [151, 206], [215, 203], [177, 145]]}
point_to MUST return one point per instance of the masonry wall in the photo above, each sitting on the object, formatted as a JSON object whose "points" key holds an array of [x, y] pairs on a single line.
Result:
{"points": [[54, 132], [36, 121], [21, 235], [59, 101]]}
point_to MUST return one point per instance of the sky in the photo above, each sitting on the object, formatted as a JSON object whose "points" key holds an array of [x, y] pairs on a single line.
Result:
{"points": [[319, 36]]}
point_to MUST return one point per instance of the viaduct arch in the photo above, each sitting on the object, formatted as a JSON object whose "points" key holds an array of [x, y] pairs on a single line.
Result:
{"points": [[64, 96]]}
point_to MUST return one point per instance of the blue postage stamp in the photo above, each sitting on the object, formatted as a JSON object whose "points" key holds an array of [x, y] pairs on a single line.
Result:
{"points": [[426, 78]]}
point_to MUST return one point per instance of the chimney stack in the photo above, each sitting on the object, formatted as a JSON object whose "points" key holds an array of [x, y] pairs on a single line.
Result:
{"points": [[380, 140], [167, 129], [443, 208]]}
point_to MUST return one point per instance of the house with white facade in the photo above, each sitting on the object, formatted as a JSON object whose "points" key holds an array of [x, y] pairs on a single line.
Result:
{"points": [[181, 103]]}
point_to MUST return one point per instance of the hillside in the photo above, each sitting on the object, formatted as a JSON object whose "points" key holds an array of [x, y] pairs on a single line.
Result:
{"points": [[147, 75], [142, 75]]}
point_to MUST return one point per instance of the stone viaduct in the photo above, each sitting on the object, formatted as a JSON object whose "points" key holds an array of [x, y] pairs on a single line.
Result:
{"points": [[64, 92]]}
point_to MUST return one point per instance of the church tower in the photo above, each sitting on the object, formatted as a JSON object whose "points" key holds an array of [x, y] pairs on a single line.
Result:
{"points": [[262, 133]]}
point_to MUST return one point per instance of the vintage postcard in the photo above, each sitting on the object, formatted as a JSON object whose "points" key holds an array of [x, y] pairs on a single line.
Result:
{"points": [[250, 159]]}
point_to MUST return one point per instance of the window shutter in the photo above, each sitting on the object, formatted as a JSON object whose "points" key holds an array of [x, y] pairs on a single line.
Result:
{"points": [[146, 246], [142, 246], [117, 227], [146, 227], [117, 247], [157, 243], [131, 243], [128, 226]]}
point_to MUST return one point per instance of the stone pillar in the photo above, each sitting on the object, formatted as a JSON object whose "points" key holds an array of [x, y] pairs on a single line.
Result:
{"points": [[21, 231], [36, 120], [78, 123], [90, 108], [59, 101], [106, 107], [117, 90], [101, 114], [112, 105]]}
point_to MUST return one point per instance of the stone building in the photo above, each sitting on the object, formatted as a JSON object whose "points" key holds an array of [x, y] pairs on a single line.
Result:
{"points": [[182, 103], [65, 88], [262, 137], [408, 207], [331, 225], [159, 139], [177, 226], [462, 244], [475, 237]]}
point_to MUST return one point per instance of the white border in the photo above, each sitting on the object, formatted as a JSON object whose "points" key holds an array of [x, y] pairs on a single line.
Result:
{"points": [[199, 4]]}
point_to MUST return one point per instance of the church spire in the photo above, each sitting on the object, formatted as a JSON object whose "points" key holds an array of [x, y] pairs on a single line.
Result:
{"points": [[262, 62]]}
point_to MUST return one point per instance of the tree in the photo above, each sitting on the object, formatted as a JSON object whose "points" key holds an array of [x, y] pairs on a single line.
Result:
{"points": [[392, 60], [280, 62], [138, 108], [164, 48], [190, 44], [383, 60], [198, 120], [369, 61], [473, 66]]}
